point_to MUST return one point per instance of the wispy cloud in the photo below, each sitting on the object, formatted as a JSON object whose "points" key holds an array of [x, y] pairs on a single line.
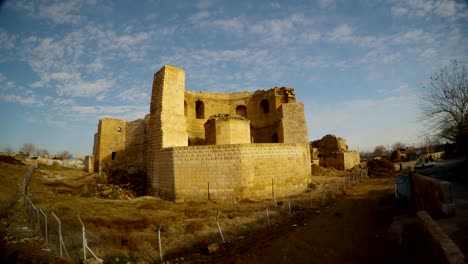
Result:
{"points": [[7, 40], [425, 8], [84, 89], [127, 112], [135, 94], [28, 99], [60, 12], [326, 3]]}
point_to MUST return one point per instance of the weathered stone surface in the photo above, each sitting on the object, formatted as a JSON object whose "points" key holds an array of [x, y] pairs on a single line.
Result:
{"points": [[443, 248], [433, 195]]}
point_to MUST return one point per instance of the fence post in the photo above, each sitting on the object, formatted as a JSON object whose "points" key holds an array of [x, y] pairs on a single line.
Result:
{"points": [[61, 243], [289, 205], [268, 214], [45, 224], [311, 198], [36, 216], [219, 227], [323, 197], [159, 240], [273, 189], [84, 236]]}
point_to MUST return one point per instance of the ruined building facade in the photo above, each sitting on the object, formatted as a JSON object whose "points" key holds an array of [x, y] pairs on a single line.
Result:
{"points": [[332, 151], [201, 145]]}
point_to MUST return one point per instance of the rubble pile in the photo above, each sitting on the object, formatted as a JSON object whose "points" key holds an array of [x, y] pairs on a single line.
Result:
{"points": [[110, 191], [317, 170], [380, 168]]}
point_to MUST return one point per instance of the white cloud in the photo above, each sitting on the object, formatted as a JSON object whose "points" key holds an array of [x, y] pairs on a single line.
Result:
{"points": [[203, 4], [61, 12], [2, 77], [65, 76], [84, 89], [277, 31], [127, 112], [96, 65], [7, 41], [27, 99], [196, 17], [134, 94], [20, 5], [341, 33], [235, 25], [399, 11], [326, 3], [61, 101], [428, 53], [275, 5], [424, 8]]}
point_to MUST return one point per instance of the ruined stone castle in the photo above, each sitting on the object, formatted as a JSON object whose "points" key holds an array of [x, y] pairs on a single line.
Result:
{"points": [[332, 151], [201, 145]]}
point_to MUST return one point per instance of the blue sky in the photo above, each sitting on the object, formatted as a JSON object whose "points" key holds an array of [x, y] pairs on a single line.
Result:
{"points": [[358, 66]]}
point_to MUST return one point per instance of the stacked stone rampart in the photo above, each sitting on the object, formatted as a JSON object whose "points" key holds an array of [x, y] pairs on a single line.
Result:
{"points": [[233, 172]]}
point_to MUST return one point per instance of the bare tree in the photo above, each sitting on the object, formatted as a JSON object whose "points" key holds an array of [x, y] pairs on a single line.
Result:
{"points": [[398, 145], [42, 152], [379, 150], [8, 150], [63, 155], [445, 103], [28, 148]]}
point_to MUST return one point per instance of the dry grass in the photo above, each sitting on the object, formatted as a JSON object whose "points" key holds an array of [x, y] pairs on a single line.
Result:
{"points": [[121, 231]]}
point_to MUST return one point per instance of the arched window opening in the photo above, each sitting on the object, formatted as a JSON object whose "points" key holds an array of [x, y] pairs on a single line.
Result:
{"points": [[185, 108], [241, 110], [275, 138], [266, 106], [119, 129], [200, 109]]}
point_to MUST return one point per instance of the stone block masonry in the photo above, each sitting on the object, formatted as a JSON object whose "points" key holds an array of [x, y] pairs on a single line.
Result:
{"points": [[433, 195], [234, 172]]}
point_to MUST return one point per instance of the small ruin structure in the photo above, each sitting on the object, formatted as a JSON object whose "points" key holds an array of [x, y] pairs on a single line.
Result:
{"points": [[332, 151], [202, 145]]}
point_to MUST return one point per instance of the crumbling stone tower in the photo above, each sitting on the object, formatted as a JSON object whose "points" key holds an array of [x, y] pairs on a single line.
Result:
{"points": [[166, 123]]}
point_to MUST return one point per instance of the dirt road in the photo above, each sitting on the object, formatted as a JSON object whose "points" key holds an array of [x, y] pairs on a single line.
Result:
{"points": [[352, 229]]}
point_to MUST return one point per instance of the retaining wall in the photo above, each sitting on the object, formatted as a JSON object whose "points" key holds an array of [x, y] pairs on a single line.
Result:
{"points": [[433, 195]]}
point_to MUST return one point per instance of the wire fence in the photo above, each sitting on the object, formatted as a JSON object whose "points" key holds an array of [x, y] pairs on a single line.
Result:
{"points": [[51, 231], [69, 239]]}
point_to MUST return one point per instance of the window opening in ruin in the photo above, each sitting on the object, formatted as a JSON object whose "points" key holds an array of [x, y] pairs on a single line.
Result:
{"points": [[241, 110], [275, 138], [200, 109], [113, 155], [119, 129], [185, 108], [266, 106]]}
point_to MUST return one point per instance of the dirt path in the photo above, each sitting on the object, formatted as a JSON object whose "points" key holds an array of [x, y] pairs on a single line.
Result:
{"points": [[352, 229]]}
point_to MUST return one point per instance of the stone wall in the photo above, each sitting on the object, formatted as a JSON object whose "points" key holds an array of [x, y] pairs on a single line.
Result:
{"points": [[432, 195], [225, 129], [109, 151], [292, 128], [329, 144], [136, 138], [89, 164], [340, 160], [233, 172], [441, 247]]}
